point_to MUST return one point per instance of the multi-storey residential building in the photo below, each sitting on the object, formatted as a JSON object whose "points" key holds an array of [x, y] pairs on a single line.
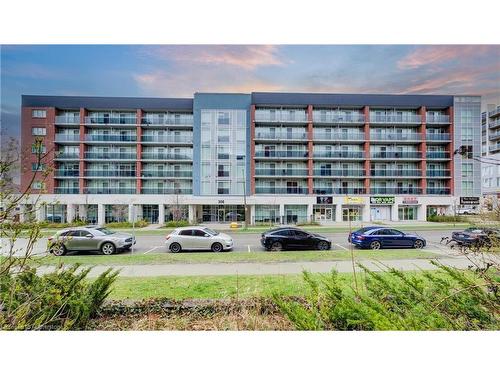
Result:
{"points": [[490, 130], [266, 157]]}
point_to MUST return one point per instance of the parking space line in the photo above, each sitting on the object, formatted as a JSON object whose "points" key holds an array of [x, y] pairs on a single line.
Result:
{"points": [[249, 248], [343, 247], [152, 249]]}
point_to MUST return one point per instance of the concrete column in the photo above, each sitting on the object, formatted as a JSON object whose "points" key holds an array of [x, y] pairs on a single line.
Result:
{"points": [[161, 214], [338, 213], [82, 211], [252, 214], [394, 212], [70, 213], [40, 213], [310, 212], [22, 213], [282, 213], [422, 212], [138, 212], [131, 213], [100, 214], [192, 213], [366, 212]]}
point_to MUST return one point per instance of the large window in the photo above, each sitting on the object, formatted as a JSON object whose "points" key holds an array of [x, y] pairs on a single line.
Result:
{"points": [[466, 170], [38, 131], [467, 187], [39, 113], [407, 213]]}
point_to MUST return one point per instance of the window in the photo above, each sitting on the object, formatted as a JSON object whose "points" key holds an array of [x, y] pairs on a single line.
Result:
{"points": [[466, 170], [223, 118], [38, 113], [38, 185], [38, 131], [37, 167], [198, 233], [407, 213], [467, 187], [38, 149], [467, 134]]}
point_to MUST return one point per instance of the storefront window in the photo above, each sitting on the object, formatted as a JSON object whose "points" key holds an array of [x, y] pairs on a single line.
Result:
{"points": [[407, 213], [267, 214], [351, 214], [324, 213]]}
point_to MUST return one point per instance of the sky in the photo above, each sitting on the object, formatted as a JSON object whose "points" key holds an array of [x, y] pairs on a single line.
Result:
{"points": [[181, 70]]}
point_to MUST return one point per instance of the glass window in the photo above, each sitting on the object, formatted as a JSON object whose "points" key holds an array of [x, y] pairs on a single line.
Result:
{"points": [[38, 149], [198, 233], [185, 232], [407, 213], [38, 131], [38, 113], [38, 185], [223, 118], [466, 170], [37, 167]]}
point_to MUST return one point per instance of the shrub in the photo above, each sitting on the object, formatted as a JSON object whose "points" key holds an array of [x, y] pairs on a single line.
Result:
{"points": [[176, 223], [126, 224], [447, 219], [310, 223]]}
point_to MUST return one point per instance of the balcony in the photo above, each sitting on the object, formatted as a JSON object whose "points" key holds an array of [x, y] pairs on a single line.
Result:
{"points": [[280, 172], [108, 190], [438, 191], [495, 148], [281, 154], [67, 155], [67, 138], [167, 139], [438, 137], [283, 117], [67, 120], [395, 137], [280, 190], [437, 119], [66, 190], [339, 172], [110, 155], [108, 173], [395, 190], [110, 138], [395, 173], [396, 155], [339, 190], [495, 112], [338, 136], [146, 190], [339, 154], [281, 136], [178, 120], [165, 156], [66, 173], [493, 136], [494, 124], [335, 118], [111, 120], [166, 173], [395, 119], [437, 155], [438, 173]]}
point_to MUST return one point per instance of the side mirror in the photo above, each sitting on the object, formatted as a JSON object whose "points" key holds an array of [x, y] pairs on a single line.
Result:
{"points": [[89, 236]]}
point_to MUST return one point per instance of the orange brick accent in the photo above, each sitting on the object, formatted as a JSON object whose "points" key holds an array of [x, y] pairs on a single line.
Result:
{"points": [[310, 149], [138, 163], [252, 149], [83, 148], [366, 148]]}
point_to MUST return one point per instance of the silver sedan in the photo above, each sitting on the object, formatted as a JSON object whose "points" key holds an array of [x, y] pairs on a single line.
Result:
{"points": [[198, 238]]}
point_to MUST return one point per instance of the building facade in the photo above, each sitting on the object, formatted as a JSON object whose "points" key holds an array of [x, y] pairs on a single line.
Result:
{"points": [[261, 157], [490, 130]]}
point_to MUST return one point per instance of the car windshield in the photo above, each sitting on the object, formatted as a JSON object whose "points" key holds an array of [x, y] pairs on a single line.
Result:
{"points": [[211, 231], [105, 230], [365, 229]]}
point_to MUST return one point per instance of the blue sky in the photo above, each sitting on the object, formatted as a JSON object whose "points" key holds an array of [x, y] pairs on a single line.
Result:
{"points": [[179, 71]]}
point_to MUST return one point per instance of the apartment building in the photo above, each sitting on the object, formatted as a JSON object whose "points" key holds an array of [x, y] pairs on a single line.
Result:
{"points": [[264, 157], [490, 131]]}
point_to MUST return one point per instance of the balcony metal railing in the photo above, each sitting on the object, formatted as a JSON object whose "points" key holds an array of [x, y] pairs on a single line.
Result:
{"points": [[335, 118], [110, 138], [110, 155], [494, 112], [165, 156], [438, 173], [167, 138], [395, 190], [396, 173], [438, 191], [109, 190], [395, 137], [166, 173], [168, 120], [396, 155], [437, 136], [339, 190], [265, 116], [67, 155], [67, 120], [281, 154], [495, 148], [339, 154], [280, 190], [67, 138], [494, 124], [113, 120], [395, 119], [147, 190], [339, 172], [280, 172], [108, 173], [437, 155], [66, 173], [493, 136], [322, 135], [437, 119], [280, 135], [66, 190]]}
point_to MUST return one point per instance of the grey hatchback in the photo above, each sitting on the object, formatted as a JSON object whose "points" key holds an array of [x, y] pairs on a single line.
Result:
{"points": [[89, 239]]}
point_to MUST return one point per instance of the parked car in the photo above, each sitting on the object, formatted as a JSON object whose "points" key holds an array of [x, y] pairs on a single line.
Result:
{"points": [[89, 239], [198, 238], [293, 238], [376, 238], [474, 236]]}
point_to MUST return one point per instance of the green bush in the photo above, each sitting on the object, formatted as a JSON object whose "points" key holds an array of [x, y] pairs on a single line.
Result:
{"points": [[446, 219], [61, 300], [126, 224], [176, 223], [309, 223]]}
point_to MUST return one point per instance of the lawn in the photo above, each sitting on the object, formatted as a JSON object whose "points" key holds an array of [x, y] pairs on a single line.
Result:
{"points": [[233, 257]]}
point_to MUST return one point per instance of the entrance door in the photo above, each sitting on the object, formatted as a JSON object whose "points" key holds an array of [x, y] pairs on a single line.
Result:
{"points": [[221, 215]]}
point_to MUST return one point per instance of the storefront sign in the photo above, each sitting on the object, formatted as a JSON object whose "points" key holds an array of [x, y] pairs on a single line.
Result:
{"points": [[324, 200], [469, 200], [382, 200], [354, 200], [410, 200]]}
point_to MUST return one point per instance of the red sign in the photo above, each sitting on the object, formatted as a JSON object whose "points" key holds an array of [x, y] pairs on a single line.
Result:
{"points": [[410, 200]]}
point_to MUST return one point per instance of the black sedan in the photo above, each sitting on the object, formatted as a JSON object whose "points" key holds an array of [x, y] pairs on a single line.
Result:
{"points": [[293, 239], [477, 236]]}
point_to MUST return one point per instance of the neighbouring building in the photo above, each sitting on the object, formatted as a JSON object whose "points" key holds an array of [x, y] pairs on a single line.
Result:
{"points": [[264, 157], [490, 130]]}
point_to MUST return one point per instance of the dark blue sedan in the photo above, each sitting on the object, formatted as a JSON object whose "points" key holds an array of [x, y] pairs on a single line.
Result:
{"points": [[379, 237]]}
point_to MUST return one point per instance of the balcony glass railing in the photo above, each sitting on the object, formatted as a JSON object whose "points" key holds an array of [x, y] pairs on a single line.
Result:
{"points": [[104, 120], [396, 155], [66, 173], [281, 154], [395, 137], [67, 155], [395, 173], [280, 190], [494, 136], [438, 173], [282, 135], [336, 118], [494, 124], [437, 155], [438, 191], [146, 190], [319, 136], [66, 190], [165, 156], [437, 136], [167, 138], [156, 173], [110, 138], [395, 190], [339, 154], [168, 120], [339, 172], [395, 119], [67, 137], [437, 119], [109, 190], [339, 190], [108, 173], [280, 172], [67, 120], [494, 112], [110, 155], [265, 116]]}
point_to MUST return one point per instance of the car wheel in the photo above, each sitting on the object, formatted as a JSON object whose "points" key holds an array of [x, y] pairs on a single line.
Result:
{"points": [[375, 245], [217, 247], [108, 248], [276, 246], [323, 245], [418, 244], [175, 248], [58, 250]]}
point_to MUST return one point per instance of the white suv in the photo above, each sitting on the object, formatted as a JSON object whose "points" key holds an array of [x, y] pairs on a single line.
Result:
{"points": [[198, 238]]}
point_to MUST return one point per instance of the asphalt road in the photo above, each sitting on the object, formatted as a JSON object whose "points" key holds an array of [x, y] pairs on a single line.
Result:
{"points": [[244, 242]]}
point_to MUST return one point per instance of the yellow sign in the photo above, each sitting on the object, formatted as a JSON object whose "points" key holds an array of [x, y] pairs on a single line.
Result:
{"points": [[354, 200]]}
